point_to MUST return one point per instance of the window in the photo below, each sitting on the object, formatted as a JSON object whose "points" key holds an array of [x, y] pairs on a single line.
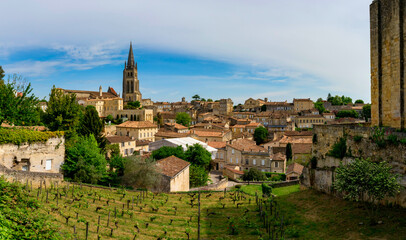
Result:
{"points": [[24, 168], [254, 162], [263, 162], [129, 143], [126, 152], [246, 162], [131, 150], [262, 170], [231, 160], [122, 144], [232, 151], [276, 164], [236, 160], [48, 165]]}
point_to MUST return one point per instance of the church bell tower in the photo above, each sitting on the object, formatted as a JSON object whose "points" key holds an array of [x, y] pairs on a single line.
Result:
{"points": [[131, 85]]}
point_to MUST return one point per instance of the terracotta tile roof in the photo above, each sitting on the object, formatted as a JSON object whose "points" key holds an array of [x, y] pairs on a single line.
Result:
{"points": [[168, 115], [234, 170], [111, 90], [170, 134], [279, 157], [217, 144], [92, 94], [246, 146], [238, 126], [208, 133], [253, 124], [278, 103], [119, 139], [176, 125], [302, 148], [171, 166], [276, 150], [295, 167], [142, 143], [137, 124]]}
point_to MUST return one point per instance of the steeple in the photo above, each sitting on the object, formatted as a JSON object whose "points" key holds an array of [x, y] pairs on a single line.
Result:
{"points": [[130, 62]]}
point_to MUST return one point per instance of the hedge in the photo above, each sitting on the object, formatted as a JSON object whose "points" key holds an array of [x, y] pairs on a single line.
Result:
{"points": [[276, 176], [19, 136]]}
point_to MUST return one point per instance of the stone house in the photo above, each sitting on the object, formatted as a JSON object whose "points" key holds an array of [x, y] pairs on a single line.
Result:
{"points": [[175, 174], [220, 160], [246, 154], [232, 173], [309, 121], [253, 104], [279, 107], [164, 134], [127, 145], [329, 116], [175, 127], [302, 104], [139, 130], [142, 146], [45, 157], [226, 106], [294, 171], [211, 135]]}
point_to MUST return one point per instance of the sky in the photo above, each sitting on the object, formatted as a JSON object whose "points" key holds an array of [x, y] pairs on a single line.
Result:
{"points": [[218, 49]]}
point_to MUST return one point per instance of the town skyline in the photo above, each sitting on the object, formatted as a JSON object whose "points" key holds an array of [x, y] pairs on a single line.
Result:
{"points": [[288, 59]]}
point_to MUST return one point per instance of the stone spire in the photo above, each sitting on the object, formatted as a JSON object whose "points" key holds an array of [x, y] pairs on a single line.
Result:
{"points": [[130, 62]]}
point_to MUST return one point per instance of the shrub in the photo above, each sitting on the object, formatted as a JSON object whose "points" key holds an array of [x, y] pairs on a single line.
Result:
{"points": [[393, 139], [275, 176], [20, 136], [378, 136], [357, 138], [339, 149], [403, 140], [253, 175], [266, 189]]}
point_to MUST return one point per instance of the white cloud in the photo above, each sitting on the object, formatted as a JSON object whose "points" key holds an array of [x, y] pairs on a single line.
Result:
{"points": [[325, 39]]}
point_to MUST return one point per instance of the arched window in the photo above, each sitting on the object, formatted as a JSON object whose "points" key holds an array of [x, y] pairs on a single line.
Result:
{"points": [[128, 87]]}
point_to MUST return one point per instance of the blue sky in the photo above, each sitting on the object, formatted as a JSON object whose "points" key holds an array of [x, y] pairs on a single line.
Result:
{"points": [[217, 49]]}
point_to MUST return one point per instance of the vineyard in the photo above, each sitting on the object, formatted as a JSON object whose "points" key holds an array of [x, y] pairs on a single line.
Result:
{"points": [[86, 212]]}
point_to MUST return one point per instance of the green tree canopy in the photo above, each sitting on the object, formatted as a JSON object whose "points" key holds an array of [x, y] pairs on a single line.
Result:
{"points": [[166, 151], [198, 155], [347, 114], [17, 103], [319, 105], [359, 101], [84, 162], [92, 124], [198, 176], [366, 111], [183, 118], [260, 135], [63, 111], [253, 175], [363, 179], [288, 151], [210, 100], [133, 105], [337, 100], [141, 173], [1, 74], [196, 97]]}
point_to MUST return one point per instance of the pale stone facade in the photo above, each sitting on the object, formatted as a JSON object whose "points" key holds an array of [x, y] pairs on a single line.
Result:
{"points": [[131, 84], [127, 145], [226, 106], [139, 130], [175, 174], [35, 157], [303, 104], [387, 21]]}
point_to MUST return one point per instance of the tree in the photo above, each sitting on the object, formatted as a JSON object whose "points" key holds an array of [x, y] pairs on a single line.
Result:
{"points": [[359, 101], [366, 111], [364, 180], [210, 100], [133, 105], [84, 162], [196, 97], [198, 176], [253, 175], [263, 108], [203, 99], [288, 151], [141, 173], [319, 105], [110, 118], [198, 155], [336, 100], [63, 111], [183, 118], [346, 100], [347, 114], [260, 135], [1, 75], [92, 124], [166, 151], [17, 103], [329, 98]]}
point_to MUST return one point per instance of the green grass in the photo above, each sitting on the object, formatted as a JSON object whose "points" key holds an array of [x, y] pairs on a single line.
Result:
{"points": [[251, 189], [217, 213], [314, 215]]}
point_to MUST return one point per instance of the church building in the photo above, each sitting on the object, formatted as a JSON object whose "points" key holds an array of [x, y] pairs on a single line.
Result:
{"points": [[131, 85]]}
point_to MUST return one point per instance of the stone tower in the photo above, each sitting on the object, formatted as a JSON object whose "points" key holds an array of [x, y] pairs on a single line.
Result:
{"points": [[387, 26], [131, 85]]}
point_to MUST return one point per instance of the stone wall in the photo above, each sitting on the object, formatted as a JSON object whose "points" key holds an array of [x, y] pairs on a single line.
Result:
{"points": [[322, 174], [387, 28], [34, 179]]}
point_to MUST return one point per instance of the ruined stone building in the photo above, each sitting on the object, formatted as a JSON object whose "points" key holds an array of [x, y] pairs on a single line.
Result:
{"points": [[387, 22]]}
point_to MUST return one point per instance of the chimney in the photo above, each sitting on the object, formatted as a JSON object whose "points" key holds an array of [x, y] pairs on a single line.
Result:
{"points": [[266, 99], [100, 91]]}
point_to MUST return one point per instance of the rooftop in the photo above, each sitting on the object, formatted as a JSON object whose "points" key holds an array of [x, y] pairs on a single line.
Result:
{"points": [[137, 124], [172, 166], [295, 167]]}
